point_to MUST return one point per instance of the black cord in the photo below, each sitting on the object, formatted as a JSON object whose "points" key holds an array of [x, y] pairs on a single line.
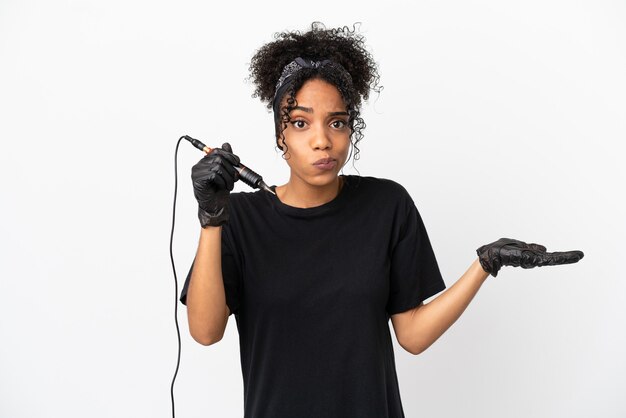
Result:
{"points": [[174, 270]]}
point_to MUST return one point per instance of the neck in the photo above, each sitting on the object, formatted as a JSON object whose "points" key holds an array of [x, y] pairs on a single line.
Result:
{"points": [[298, 194]]}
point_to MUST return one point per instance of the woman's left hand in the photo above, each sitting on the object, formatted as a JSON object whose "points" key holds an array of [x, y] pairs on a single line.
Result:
{"points": [[511, 252]]}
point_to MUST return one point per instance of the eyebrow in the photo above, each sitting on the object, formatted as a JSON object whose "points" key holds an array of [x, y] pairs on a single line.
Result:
{"points": [[310, 110]]}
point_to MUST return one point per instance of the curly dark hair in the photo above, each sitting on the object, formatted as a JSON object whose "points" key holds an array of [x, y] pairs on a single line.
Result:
{"points": [[341, 45]]}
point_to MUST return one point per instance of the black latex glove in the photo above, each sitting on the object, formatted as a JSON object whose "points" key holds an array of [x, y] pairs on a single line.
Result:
{"points": [[214, 177], [511, 252]]}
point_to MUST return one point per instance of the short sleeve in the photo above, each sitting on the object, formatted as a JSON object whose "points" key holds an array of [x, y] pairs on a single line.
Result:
{"points": [[414, 274], [231, 274]]}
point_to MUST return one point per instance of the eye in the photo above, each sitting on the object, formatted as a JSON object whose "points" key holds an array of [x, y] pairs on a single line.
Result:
{"points": [[299, 123], [339, 124]]}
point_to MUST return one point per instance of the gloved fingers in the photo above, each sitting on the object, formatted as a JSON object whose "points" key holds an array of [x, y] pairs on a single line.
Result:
{"points": [[226, 163], [227, 174], [203, 167], [530, 259], [218, 180], [537, 247], [220, 161], [226, 152], [533, 256], [212, 168], [223, 176], [563, 257]]}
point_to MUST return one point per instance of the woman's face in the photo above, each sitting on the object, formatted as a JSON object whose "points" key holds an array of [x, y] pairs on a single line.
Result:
{"points": [[318, 135]]}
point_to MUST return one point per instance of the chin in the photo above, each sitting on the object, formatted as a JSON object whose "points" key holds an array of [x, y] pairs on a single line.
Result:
{"points": [[321, 180]]}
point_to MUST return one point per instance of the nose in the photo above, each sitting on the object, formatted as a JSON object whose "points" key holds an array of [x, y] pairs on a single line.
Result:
{"points": [[321, 140]]}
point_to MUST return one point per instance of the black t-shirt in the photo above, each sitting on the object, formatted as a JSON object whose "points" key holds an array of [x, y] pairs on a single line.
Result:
{"points": [[312, 290]]}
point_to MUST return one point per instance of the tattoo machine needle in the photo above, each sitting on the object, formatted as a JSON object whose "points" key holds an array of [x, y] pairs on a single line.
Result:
{"points": [[246, 175]]}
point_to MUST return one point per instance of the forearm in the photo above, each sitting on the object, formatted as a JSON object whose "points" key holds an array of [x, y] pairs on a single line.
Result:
{"points": [[431, 320], [206, 300]]}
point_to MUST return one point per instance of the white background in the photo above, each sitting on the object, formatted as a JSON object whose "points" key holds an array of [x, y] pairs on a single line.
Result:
{"points": [[502, 119]]}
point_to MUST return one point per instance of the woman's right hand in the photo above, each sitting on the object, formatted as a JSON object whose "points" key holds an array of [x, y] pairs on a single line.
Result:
{"points": [[214, 177]]}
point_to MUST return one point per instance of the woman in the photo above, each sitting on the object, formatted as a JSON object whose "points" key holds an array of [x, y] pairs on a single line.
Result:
{"points": [[314, 271]]}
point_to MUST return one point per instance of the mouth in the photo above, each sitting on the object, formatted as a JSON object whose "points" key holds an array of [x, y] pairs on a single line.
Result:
{"points": [[325, 163]]}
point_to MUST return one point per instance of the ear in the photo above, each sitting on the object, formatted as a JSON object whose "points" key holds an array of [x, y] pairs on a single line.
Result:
{"points": [[280, 143]]}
